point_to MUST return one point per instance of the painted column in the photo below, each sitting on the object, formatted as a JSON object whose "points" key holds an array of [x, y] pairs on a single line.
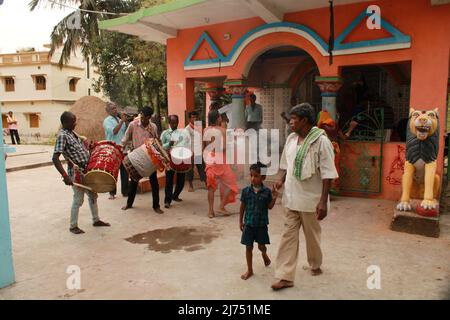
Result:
{"points": [[329, 86], [6, 262], [237, 88]]}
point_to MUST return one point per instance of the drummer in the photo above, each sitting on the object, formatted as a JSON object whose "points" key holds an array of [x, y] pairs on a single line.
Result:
{"points": [[115, 128], [138, 131], [70, 145], [173, 137]]}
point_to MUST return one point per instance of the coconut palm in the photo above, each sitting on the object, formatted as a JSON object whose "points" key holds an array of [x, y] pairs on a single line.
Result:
{"points": [[84, 37]]}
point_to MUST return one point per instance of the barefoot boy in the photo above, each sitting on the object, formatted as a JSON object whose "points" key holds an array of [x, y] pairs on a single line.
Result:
{"points": [[256, 200]]}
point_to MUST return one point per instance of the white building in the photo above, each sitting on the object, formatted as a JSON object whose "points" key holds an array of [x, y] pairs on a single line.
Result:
{"points": [[37, 90]]}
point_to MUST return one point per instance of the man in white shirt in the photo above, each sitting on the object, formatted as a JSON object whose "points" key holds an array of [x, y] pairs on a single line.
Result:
{"points": [[254, 114], [198, 159], [307, 166]]}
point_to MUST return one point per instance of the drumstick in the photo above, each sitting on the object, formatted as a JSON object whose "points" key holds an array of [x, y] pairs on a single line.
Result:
{"points": [[162, 149], [83, 187]]}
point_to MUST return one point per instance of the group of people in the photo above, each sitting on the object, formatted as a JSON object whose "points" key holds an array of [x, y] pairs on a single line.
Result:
{"points": [[307, 170]]}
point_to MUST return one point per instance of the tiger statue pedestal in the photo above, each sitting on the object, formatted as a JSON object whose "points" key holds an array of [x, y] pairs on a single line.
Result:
{"points": [[420, 181]]}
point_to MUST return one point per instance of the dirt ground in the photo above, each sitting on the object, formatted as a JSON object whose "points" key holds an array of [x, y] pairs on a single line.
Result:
{"points": [[183, 254]]}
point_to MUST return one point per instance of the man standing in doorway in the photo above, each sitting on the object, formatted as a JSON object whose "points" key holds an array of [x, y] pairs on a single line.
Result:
{"points": [[307, 166], [115, 129], [254, 114], [12, 126]]}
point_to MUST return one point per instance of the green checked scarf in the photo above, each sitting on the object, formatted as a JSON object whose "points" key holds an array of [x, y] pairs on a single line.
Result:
{"points": [[312, 136]]}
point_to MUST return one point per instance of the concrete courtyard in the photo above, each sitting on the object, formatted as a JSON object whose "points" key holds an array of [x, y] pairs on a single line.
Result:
{"points": [[194, 257]]}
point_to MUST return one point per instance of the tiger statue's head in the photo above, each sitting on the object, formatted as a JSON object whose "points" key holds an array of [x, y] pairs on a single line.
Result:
{"points": [[422, 136], [423, 124]]}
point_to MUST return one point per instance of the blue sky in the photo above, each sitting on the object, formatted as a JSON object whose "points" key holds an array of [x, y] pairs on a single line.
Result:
{"points": [[19, 27]]}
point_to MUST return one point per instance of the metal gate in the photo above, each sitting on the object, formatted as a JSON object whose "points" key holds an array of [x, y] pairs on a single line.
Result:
{"points": [[361, 157]]}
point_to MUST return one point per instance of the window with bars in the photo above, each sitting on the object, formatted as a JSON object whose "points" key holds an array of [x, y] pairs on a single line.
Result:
{"points": [[41, 83], [34, 120], [73, 85], [9, 84]]}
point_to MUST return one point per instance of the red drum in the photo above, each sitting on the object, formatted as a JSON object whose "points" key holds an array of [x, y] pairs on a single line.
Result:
{"points": [[181, 159], [103, 167], [145, 160]]}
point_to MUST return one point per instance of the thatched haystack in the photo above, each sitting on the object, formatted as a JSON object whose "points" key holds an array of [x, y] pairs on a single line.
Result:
{"points": [[90, 112]]}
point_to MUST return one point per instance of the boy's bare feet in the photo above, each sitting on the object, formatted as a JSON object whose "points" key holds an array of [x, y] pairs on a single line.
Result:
{"points": [[224, 211], [247, 275], [282, 284], [266, 259], [211, 214], [316, 272]]}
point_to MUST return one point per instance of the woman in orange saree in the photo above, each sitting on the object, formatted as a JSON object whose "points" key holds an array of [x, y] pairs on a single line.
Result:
{"points": [[218, 173]]}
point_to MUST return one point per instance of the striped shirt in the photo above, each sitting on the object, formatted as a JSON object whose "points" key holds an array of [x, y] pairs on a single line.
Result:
{"points": [[137, 133], [69, 144]]}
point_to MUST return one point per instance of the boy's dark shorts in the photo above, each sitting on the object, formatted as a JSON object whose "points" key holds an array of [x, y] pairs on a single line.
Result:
{"points": [[255, 234]]}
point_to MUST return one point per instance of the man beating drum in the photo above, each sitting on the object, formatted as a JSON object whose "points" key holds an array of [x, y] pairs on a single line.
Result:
{"points": [[138, 132], [70, 145], [174, 138]]}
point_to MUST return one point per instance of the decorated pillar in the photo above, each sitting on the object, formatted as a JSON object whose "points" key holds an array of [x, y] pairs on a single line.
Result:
{"points": [[6, 262], [237, 88], [329, 86]]}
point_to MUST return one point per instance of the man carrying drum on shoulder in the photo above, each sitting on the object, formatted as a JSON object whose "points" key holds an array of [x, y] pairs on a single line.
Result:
{"points": [[138, 132], [71, 146]]}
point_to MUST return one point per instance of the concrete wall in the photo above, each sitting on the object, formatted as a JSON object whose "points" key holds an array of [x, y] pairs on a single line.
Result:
{"points": [[25, 88], [50, 111]]}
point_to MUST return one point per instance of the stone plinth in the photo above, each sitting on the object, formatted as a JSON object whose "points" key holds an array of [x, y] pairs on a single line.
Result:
{"points": [[411, 222]]}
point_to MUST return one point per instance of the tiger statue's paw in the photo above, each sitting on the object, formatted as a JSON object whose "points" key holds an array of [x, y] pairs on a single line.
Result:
{"points": [[404, 206], [429, 204]]}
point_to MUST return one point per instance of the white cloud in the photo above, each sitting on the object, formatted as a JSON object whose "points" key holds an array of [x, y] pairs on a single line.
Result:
{"points": [[20, 27]]}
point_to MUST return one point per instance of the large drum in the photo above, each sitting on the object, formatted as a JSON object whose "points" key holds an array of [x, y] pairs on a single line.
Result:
{"points": [[145, 160], [103, 167], [181, 159]]}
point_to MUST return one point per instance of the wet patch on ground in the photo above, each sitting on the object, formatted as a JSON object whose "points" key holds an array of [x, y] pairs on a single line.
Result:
{"points": [[176, 238]]}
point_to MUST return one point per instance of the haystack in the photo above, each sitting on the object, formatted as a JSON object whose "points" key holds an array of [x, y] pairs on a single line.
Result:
{"points": [[90, 112]]}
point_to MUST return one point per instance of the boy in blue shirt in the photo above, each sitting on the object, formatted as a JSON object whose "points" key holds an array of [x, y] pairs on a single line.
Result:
{"points": [[256, 200]]}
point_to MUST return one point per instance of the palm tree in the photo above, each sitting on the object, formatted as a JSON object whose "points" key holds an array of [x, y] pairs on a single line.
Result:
{"points": [[84, 37]]}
